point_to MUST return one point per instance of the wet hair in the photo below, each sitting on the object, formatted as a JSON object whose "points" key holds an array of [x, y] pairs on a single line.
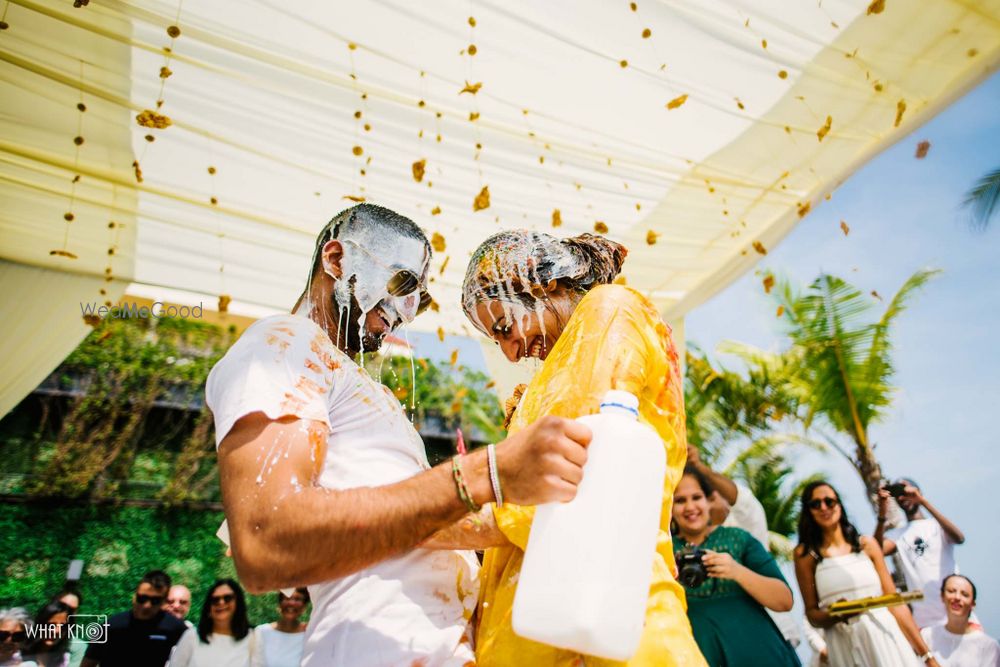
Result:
{"points": [[960, 576], [239, 624], [510, 264], [36, 648], [350, 221], [303, 591], [158, 579], [810, 533], [706, 486]]}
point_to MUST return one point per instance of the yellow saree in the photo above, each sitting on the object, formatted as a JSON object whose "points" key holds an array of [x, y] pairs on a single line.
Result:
{"points": [[615, 339]]}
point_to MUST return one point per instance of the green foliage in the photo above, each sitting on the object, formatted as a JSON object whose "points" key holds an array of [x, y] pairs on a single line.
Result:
{"points": [[982, 200], [118, 545]]}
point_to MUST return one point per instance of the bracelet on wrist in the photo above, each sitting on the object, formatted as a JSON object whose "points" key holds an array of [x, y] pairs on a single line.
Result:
{"points": [[927, 656], [461, 487], [491, 459]]}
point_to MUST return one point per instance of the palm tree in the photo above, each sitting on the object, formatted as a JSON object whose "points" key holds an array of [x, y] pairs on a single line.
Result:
{"points": [[982, 199], [845, 361]]}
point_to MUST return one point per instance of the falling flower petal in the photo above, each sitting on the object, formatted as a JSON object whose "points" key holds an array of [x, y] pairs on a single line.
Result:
{"points": [[418, 170], [471, 88], [454, 357], [651, 237], [174, 32], [444, 264], [781, 311], [150, 118], [922, 149], [211, 170], [224, 300], [763, 43], [768, 283], [844, 227], [876, 7], [354, 198], [621, 280], [739, 103], [68, 217], [437, 242], [473, 115], [646, 33], [138, 171], [62, 253], [556, 218], [782, 74], [472, 21], [472, 50], [482, 200], [759, 247], [623, 64], [165, 72], [436, 210], [600, 227], [823, 131], [876, 295], [677, 101], [78, 141], [490, 384], [900, 110], [440, 333]]}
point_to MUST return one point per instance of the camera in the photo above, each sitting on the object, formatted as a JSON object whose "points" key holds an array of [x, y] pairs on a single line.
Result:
{"points": [[896, 489], [691, 570]]}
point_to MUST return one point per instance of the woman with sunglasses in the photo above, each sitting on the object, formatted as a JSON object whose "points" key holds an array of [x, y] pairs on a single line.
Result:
{"points": [[279, 644], [833, 562], [741, 579], [223, 637], [14, 623], [548, 299]]}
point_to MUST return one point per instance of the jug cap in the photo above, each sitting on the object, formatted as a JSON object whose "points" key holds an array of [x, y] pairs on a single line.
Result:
{"points": [[624, 400]]}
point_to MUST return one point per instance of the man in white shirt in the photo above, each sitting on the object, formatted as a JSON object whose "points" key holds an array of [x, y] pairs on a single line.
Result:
{"points": [[325, 482], [734, 505], [926, 547]]}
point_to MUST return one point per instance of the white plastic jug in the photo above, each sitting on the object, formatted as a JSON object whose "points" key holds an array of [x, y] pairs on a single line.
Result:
{"points": [[589, 562]]}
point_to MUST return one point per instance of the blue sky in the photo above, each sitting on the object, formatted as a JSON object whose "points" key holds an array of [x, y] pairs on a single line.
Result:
{"points": [[904, 214]]}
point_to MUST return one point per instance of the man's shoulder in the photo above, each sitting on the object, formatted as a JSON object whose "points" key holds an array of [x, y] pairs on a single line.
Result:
{"points": [[120, 620], [170, 623]]}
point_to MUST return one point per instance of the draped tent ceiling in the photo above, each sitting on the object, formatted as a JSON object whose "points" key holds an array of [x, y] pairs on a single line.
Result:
{"points": [[697, 133]]}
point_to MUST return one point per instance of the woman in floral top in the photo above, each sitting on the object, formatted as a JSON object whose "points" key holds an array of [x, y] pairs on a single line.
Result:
{"points": [[727, 608]]}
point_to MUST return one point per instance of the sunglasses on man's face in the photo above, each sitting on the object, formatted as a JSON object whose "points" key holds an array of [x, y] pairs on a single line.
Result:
{"points": [[819, 502], [155, 600], [16, 637], [402, 283], [225, 598]]}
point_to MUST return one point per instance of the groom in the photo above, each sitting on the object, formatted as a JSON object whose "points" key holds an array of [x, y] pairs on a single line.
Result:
{"points": [[324, 480]]}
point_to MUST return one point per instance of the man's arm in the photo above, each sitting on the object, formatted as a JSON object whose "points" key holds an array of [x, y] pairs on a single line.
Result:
{"points": [[724, 486], [954, 534], [473, 531], [288, 531], [888, 546]]}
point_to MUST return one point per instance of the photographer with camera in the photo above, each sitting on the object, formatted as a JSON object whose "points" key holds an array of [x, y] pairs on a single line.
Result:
{"points": [[926, 547], [730, 579]]}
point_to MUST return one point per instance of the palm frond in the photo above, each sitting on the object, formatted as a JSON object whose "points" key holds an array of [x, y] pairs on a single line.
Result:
{"points": [[982, 200]]}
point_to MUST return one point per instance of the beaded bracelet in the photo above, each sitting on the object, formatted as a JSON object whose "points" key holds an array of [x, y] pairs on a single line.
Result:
{"points": [[491, 458], [461, 487]]}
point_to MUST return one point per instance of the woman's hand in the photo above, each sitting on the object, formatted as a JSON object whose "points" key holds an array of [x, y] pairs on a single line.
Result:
{"points": [[883, 502], [721, 565]]}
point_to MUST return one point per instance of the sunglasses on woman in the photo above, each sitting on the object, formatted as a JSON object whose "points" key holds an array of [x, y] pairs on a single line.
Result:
{"points": [[816, 503], [225, 598], [16, 637]]}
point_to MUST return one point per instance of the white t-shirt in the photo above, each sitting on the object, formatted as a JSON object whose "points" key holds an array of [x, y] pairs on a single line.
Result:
{"points": [[273, 648], [973, 649], [220, 651], [927, 556], [397, 612]]}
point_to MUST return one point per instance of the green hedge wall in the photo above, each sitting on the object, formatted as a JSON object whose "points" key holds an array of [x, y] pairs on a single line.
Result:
{"points": [[118, 545]]}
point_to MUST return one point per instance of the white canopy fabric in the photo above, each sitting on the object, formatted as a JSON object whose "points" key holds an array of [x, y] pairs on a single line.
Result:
{"points": [[697, 133]]}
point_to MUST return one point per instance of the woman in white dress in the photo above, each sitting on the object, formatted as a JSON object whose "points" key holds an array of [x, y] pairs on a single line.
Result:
{"points": [[222, 637], [832, 562], [958, 643], [279, 644]]}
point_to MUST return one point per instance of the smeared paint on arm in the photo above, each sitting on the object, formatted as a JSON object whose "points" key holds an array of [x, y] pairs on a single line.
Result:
{"points": [[473, 531]]}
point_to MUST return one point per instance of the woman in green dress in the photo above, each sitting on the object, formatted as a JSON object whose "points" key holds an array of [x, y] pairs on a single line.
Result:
{"points": [[727, 608]]}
